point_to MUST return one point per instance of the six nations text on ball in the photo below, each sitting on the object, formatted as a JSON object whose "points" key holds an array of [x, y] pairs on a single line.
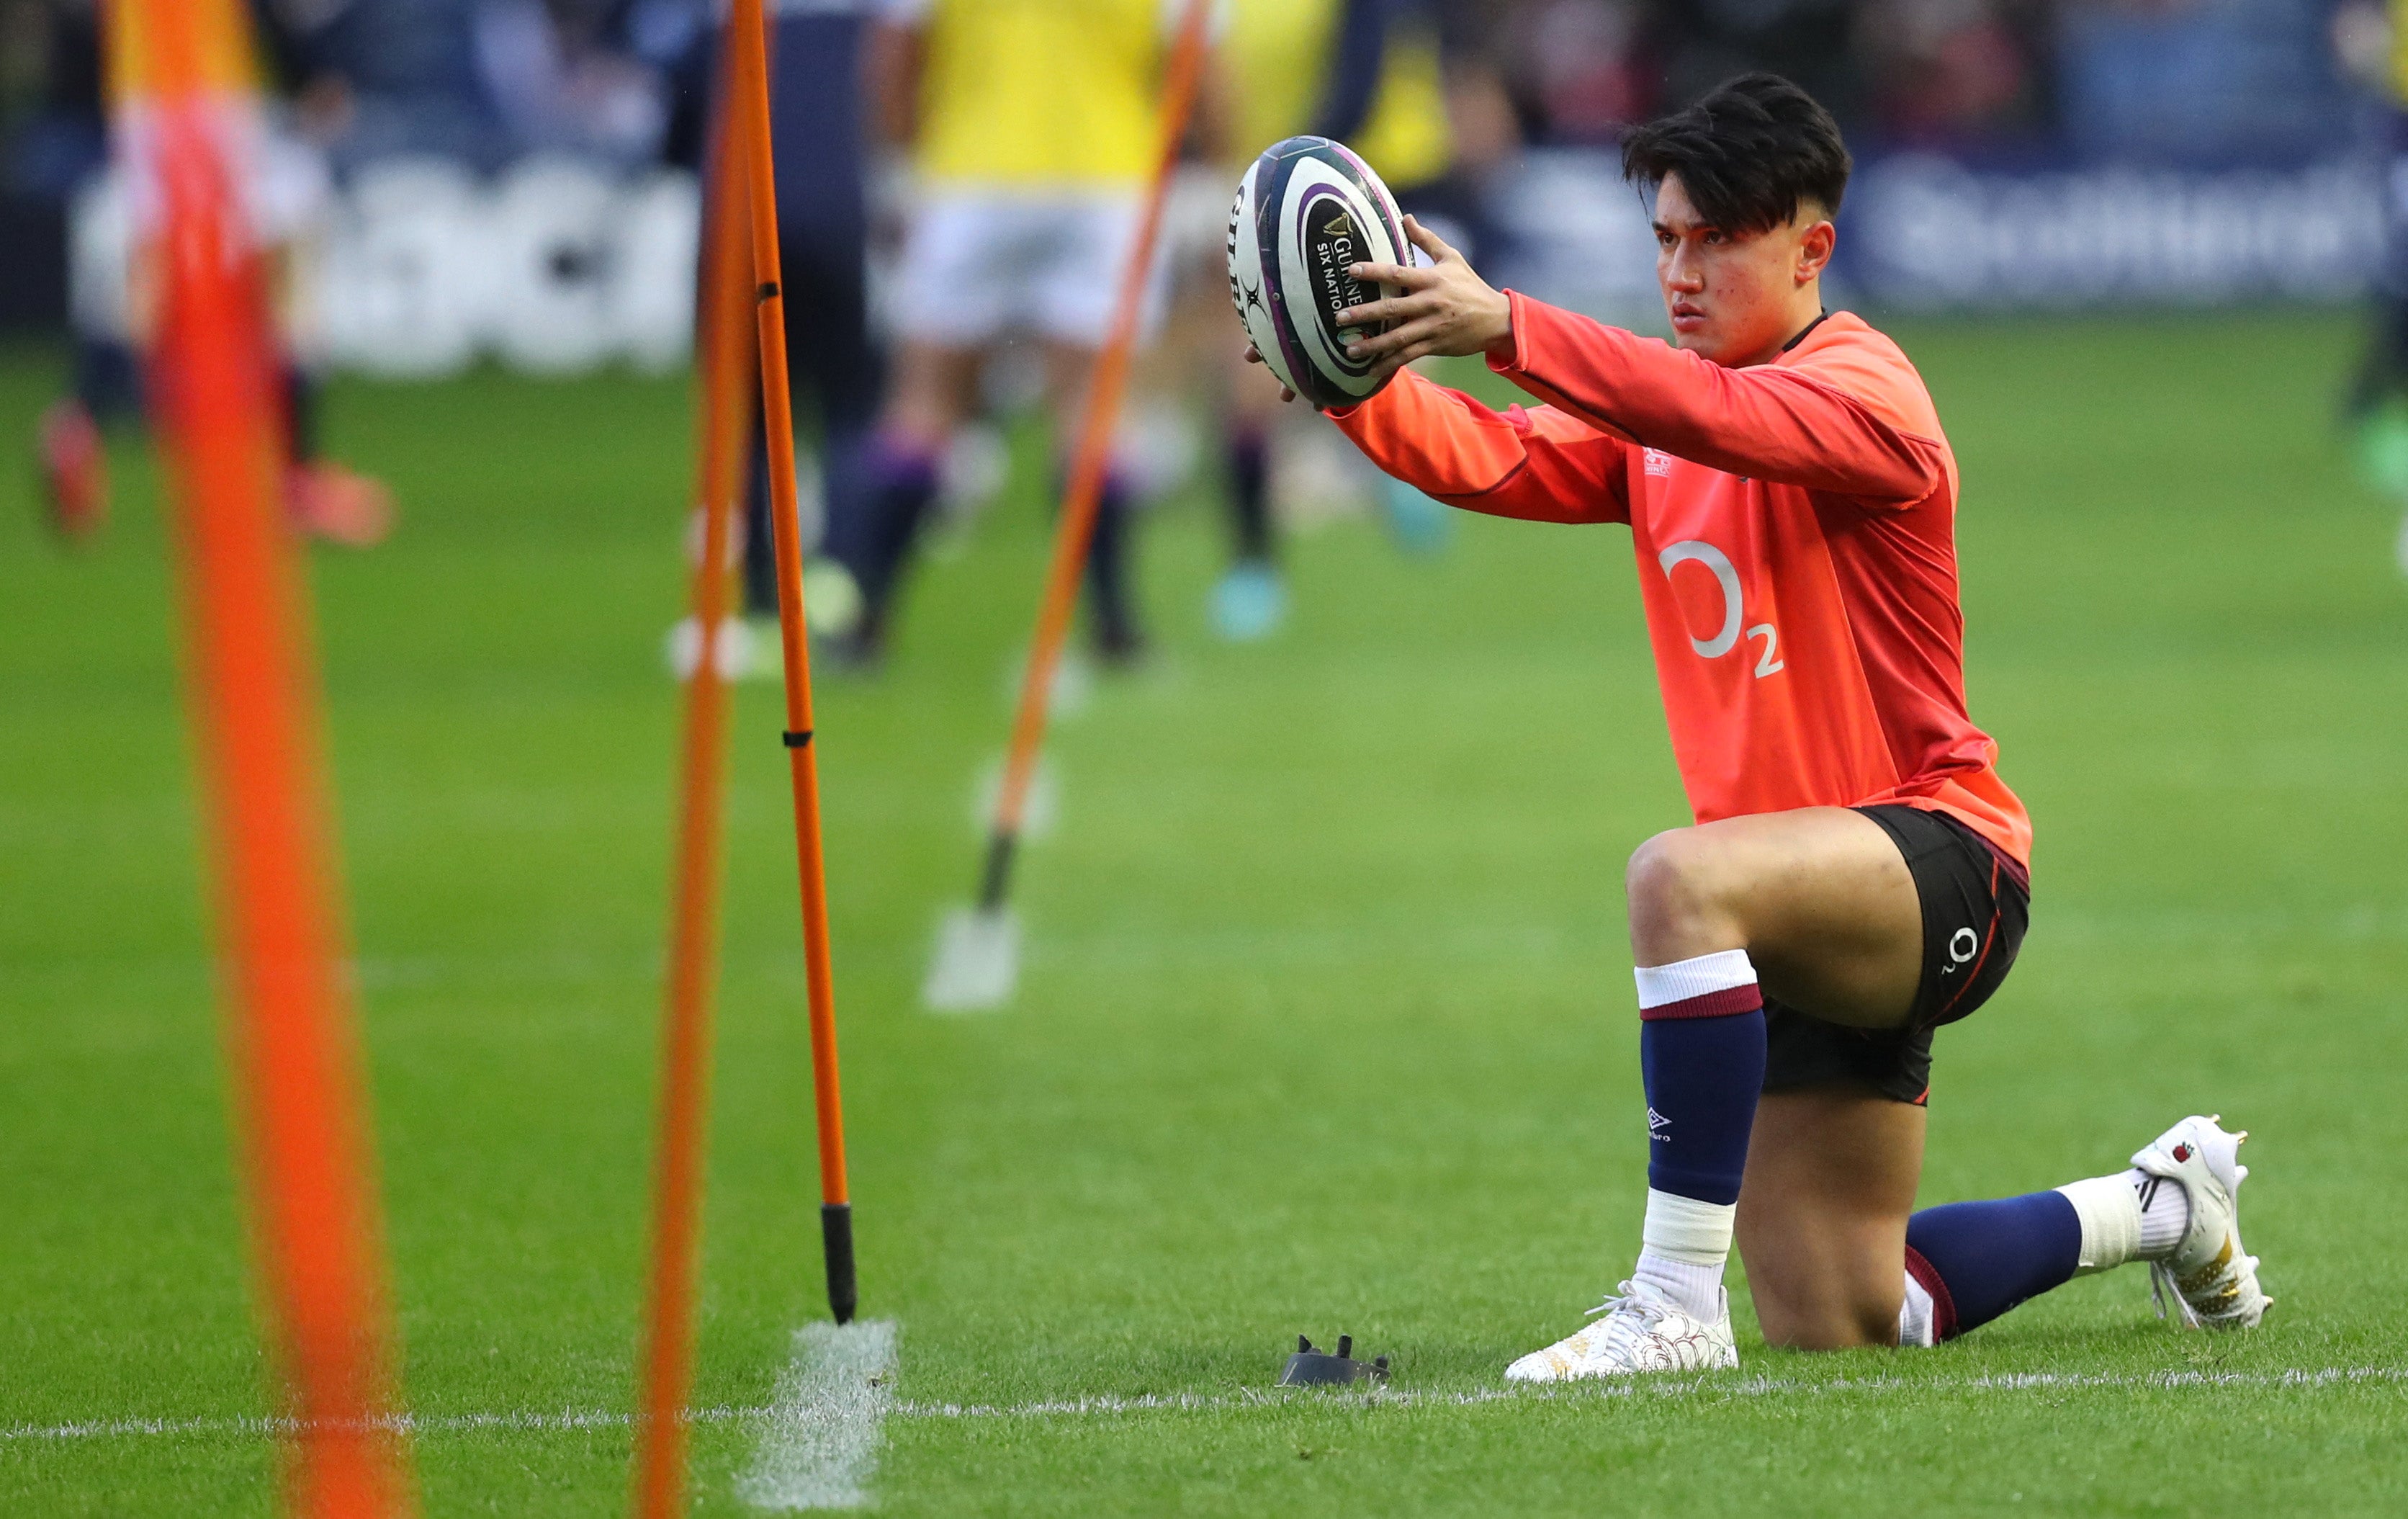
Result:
{"points": [[1306, 211]]}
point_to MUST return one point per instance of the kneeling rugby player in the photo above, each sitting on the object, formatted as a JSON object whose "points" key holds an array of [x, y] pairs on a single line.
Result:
{"points": [[1859, 873]]}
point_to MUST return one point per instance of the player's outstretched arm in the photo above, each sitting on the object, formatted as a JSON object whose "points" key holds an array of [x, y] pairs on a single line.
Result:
{"points": [[1774, 423], [1539, 464], [1820, 424]]}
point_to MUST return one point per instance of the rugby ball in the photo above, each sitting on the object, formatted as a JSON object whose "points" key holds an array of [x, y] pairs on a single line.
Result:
{"points": [[1305, 211]]}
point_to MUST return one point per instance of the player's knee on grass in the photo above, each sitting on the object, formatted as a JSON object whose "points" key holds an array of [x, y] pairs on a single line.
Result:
{"points": [[1677, 889], [1843, 1315], [1823, 1289]]}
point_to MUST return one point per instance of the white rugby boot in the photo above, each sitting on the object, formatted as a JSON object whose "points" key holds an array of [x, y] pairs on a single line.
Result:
{"points": [[2212, 1281], [1641, 1330]]}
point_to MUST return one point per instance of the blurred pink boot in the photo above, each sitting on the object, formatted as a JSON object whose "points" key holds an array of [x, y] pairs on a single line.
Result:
{"points": [[75, 470], [328, 501]]}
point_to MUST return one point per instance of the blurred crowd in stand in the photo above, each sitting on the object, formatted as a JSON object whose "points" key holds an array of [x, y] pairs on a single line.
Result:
{"points": [[479, 81], [484, 80], [1450, 99]]}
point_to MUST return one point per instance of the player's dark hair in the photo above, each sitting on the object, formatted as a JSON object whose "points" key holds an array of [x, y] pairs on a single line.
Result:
{"points": [[1749, 154]]}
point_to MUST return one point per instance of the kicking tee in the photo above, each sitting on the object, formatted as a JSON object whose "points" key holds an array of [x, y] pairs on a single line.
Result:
{"points": [[1795, 528]]}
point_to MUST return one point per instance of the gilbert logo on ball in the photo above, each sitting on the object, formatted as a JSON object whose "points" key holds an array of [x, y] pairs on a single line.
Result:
{"points": [[1307, 210]]}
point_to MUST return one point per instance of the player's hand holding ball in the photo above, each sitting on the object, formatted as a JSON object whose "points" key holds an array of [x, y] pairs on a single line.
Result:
{"points": [[1446, 310]]}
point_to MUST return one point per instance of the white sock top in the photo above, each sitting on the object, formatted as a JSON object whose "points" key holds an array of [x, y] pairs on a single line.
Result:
{"points": [[2110, 1212], [2131, 1215], [1685, 978]]}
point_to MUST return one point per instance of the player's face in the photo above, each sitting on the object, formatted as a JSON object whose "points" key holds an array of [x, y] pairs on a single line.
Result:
{"points": [[1735, 298]]}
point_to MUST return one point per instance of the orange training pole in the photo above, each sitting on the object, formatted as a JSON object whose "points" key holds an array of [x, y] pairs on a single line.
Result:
{"points": [[750, 118], [721, 412], [1078, 520], [182, 72]]}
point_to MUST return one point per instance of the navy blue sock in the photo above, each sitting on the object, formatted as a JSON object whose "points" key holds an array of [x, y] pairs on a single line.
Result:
{"points": [[1979, 1259], [1111, 595], [1703, 1070], [1250, 504], [899, 479]]}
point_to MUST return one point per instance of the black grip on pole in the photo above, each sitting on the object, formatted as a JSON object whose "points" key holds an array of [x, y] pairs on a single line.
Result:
{"points": [[997, 882], [835, 1235]]}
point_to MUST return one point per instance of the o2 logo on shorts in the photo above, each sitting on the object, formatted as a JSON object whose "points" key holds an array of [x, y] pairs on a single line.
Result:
{"points": [[1698, 550], [1962, 946]]}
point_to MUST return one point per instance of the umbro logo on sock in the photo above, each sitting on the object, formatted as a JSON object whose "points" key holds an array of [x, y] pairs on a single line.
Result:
{"points": [[1657, 1124]]}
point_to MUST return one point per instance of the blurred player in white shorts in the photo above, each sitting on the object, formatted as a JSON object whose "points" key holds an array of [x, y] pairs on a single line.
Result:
{"points": [[1032, 126], [982, 263]]}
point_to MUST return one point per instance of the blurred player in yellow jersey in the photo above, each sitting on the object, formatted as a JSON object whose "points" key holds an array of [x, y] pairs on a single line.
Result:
{"points": [[1032, 126], [1386, 78]]}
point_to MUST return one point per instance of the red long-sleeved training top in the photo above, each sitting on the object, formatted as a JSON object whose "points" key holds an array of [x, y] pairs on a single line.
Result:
{"points": [[1794, 524]]}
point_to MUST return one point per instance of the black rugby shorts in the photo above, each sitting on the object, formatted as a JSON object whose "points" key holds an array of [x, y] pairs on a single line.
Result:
{"points": [[1975, 905]]}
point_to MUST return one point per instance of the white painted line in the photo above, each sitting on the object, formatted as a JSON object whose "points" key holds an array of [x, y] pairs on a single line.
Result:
{"points": [[1703, 1388], [413, 1424], [820, 1446], [976, 961]]}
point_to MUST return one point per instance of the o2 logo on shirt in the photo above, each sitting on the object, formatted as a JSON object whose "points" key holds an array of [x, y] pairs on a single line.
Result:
{"points": [[1698, 550]]}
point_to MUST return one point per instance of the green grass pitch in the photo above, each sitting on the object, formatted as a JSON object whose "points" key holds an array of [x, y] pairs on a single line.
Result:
{"points": [[1326, 1022]]}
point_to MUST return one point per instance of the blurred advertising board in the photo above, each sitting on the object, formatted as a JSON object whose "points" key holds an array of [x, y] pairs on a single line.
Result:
{"points": [[420, 267], [1927, 232]]}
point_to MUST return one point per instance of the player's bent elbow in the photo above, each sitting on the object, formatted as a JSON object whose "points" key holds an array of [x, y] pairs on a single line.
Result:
{"points": [[1913, 479], [1440, 478]]}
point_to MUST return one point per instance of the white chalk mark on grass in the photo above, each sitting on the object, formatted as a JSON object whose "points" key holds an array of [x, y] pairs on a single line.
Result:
{"points": [[410, 1424], [1703, 1388], [821, 1445]]}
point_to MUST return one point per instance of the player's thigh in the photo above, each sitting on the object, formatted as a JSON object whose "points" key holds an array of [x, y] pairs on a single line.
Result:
{"points": [[1831, 1175], [1821, 898], [928, 389], [952, 288], [1069, 366]]}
